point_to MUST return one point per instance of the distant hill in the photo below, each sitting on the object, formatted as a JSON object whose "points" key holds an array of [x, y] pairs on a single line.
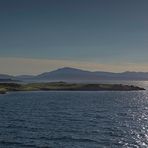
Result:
{"points": [[73, 74], [25, 76], [69, 74], [7, 78]]}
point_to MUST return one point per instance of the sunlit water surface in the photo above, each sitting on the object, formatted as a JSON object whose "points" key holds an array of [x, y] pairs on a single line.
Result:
{"points": [[74, 119]]}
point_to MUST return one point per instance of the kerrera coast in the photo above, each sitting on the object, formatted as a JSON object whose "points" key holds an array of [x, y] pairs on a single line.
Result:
{"points": [[63, 86]]}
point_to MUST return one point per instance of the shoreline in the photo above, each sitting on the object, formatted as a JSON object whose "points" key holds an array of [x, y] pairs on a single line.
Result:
{"points": [[63, 86]]}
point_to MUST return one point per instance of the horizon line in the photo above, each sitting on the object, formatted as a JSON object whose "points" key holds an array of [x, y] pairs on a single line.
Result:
{"points": [[60, 68], [34, 66]]}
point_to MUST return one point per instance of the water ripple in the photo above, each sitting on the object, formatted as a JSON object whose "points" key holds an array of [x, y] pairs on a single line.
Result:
{"points": [[74, 119]]}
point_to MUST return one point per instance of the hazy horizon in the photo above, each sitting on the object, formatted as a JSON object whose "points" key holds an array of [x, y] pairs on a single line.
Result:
{"points": [[43, 35], [16, 66]]}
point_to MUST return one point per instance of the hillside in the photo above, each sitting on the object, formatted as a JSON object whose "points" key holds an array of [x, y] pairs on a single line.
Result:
{"points": [[68, 74]]}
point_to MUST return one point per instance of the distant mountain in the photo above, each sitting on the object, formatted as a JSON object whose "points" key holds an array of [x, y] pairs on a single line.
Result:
{"points": [[68, 74], [7, 78], [25, 77], [73, 74]]}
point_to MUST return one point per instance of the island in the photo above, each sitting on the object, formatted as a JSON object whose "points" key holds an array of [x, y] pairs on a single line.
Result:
{"points": [[63, 86]]}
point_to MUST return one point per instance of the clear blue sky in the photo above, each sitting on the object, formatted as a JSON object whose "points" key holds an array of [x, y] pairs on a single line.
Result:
{"points": [[101, 31]]}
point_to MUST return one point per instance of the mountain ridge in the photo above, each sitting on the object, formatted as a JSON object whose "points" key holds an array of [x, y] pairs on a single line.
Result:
{"points": [[75, 74]]}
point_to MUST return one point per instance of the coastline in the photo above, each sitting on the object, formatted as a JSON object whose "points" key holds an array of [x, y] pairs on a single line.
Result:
{"points": [[63, 86]]}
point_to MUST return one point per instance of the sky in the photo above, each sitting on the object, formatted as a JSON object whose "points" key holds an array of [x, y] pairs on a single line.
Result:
{"points": [[42, 35]]}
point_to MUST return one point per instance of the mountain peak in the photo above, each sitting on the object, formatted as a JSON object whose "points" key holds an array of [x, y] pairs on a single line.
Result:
{"points": [[68, 68]]}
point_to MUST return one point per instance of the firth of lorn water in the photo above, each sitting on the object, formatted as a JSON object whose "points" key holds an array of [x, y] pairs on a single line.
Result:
{"points": [[64, 119]]}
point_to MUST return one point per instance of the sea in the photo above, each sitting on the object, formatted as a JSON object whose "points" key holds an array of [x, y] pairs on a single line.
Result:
{"points": [[75, 119]]}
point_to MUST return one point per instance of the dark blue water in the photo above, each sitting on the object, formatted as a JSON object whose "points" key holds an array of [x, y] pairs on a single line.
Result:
{"points": [[74, 120]]}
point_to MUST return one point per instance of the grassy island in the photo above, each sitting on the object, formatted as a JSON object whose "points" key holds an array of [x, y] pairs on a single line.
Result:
{"points": [[9, 87]]}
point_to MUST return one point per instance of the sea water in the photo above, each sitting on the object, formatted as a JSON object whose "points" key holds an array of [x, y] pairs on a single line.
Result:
{"points": [[66, 119]]}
